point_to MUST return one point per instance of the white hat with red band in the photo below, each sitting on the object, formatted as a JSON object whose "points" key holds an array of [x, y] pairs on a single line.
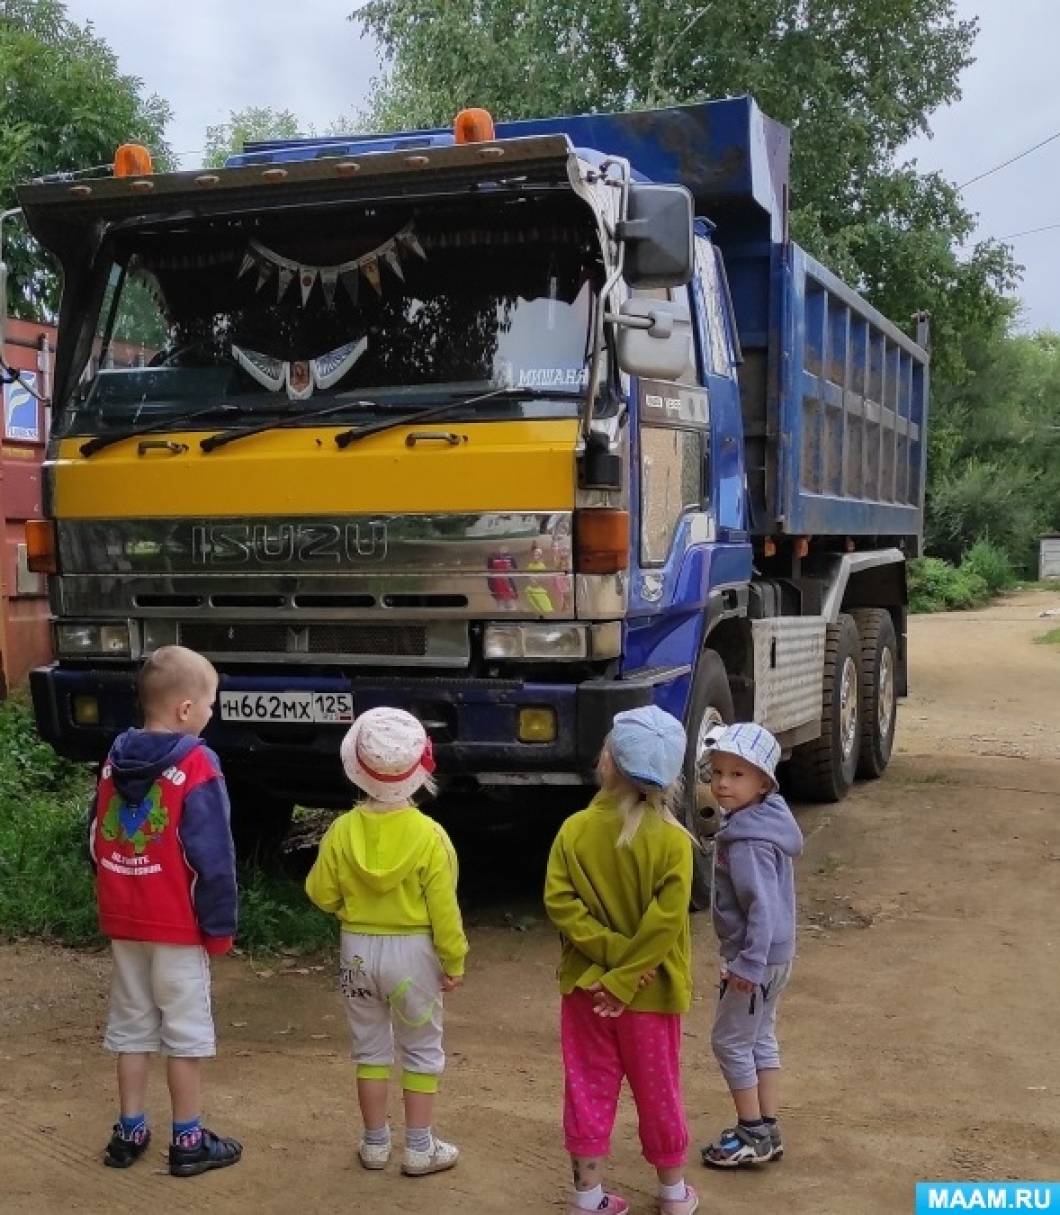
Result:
{"points": [[387, 754]]}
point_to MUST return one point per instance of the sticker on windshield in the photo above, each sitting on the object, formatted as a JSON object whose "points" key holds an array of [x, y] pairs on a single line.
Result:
{"points": [[553, 377]]}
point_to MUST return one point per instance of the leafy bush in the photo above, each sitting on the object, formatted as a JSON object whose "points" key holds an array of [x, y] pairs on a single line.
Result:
{"points": [[985, 499], [991, 564], [27, 764], [936, 586]]}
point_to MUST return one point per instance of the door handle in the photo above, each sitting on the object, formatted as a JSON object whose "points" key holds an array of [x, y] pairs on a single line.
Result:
{"points": [[434, 436], [174, 449]]}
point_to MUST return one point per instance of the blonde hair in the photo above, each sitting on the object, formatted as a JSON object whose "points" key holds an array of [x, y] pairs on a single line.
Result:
{"points": [[173, 673], [633, 800]]}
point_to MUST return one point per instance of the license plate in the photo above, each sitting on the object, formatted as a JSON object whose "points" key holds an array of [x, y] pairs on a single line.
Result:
{"points": [[294, 708]]}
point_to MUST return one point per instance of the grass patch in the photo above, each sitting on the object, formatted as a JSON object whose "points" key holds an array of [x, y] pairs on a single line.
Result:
{"points": [[275, 914], [1050, 638], [47, 889]]}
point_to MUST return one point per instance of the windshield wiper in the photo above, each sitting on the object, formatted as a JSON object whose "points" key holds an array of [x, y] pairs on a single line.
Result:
{"points": [[212, 442], [346, 437], [168, 423], [454, 405]]}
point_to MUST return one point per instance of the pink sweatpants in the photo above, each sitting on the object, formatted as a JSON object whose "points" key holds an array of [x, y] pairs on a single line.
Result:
{"points": [[597, 1052]]}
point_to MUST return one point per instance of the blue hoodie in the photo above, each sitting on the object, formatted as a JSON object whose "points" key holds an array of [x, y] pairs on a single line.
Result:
{"points": [[754, 887]]}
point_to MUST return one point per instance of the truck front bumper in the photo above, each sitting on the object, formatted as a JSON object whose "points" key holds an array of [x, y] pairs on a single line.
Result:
{"points": [[474, 724]]}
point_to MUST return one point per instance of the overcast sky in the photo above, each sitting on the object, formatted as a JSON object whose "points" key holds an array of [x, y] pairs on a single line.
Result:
{"points": [[209, 57]]}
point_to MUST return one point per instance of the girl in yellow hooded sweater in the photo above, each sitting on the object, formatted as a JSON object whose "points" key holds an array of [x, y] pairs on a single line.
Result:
{"points": [[388, 872]]}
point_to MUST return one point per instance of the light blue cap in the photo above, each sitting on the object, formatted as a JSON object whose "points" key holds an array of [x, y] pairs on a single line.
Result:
{"points": [[648, 746]]}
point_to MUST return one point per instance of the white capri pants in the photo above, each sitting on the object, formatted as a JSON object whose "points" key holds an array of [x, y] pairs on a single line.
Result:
{"points": [[393, 994], [160, 1000]]}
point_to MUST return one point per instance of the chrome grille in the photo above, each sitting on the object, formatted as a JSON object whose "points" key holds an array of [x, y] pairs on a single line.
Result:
{"points": [[362, 642], [221, 638], [389, 641]]}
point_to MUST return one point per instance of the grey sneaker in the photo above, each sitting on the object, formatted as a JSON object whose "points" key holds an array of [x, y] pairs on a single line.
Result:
{"points": [[776, 1141], [738, 1146], [440, 1157]]}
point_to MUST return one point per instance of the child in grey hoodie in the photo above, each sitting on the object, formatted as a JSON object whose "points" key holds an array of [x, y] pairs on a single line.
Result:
{"points": [[754, 917]]}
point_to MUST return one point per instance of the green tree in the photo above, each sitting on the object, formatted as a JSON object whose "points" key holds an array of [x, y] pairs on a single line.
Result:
{"points": [[853, 80], [994, 463], [64, 107], [248, 126]]}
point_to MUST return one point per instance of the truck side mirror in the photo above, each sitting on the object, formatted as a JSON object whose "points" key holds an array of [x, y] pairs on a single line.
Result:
{"points": [[654, 338], [658, 236]]}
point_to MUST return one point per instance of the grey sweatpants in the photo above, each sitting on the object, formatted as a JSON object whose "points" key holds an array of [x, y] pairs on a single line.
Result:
{"points": [[744, 1036], [393, 994]]}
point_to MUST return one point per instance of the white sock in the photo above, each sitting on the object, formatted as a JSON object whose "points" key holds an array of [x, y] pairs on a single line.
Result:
{"points": [[589, 1200], [673, 1193]]}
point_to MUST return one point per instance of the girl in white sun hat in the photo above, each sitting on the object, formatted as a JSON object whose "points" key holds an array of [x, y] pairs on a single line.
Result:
{"points": [[388, 872]]}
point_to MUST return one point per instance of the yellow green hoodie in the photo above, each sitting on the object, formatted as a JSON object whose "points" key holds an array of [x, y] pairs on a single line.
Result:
{"points": [[391, 873], [623, 911]]}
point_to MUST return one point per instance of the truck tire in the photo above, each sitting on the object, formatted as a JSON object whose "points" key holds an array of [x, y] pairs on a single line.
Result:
{"points": [[879, 663], [709, 704], [824, 769], [260, 823]]}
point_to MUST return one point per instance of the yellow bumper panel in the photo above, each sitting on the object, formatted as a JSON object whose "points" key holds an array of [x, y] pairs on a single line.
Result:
{"points": [[495, 466]]}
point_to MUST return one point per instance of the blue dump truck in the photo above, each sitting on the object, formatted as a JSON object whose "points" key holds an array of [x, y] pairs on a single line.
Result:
{"points": [[515, 426]]}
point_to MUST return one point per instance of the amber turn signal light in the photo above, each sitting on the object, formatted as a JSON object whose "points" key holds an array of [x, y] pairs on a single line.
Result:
{"points": [[473, 126], [40, 546], [601, 540]]}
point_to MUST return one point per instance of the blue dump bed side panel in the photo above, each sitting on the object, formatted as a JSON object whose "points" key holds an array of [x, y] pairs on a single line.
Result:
{"points": [[851, 413]]}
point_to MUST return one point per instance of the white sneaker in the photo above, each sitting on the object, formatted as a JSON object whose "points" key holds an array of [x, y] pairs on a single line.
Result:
{"points": [[441, 1156], [374, 1155]]}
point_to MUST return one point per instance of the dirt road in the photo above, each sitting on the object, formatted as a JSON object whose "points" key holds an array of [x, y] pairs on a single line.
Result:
{"points": [[921, 1033]]}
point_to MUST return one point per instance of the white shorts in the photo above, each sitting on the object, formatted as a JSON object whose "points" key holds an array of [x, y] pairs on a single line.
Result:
{"points": [[393, 994], [160, 1000]]}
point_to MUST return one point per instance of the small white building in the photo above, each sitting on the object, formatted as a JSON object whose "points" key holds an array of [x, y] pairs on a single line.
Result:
{"points": [[1049, 556]]}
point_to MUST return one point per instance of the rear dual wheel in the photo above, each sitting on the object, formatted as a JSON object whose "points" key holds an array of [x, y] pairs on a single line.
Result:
{"points": [[858, 708]]}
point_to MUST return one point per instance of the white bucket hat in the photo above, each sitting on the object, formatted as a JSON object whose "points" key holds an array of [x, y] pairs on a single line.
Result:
{"points": [[387, 754], [753, 743]]}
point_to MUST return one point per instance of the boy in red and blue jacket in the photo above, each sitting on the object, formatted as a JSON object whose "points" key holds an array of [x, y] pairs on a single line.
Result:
{"points": [[166, 886]]}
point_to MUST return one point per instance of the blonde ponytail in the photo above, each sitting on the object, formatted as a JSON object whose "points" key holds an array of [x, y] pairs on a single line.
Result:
{"points": [[633, 801]]}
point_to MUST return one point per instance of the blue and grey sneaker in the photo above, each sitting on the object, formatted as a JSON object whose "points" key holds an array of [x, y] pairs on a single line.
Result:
{"points": [[739, 1145]]}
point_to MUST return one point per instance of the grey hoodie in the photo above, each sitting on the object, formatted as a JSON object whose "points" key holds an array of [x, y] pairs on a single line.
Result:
{"points": [[754, 887]]}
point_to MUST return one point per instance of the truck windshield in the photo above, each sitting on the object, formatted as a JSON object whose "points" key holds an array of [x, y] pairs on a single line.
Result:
{"points": [[287, 314]]}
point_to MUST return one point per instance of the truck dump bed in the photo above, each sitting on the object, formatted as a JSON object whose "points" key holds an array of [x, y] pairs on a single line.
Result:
{"points": [[834, 395]]}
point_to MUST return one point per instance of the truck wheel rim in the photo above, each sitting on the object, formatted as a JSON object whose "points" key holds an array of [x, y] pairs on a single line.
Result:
{"points": [[711, 718], [886, 692], [848, 708]]}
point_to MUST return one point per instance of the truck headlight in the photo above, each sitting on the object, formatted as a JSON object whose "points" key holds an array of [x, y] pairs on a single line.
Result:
{"points": [[99, 640], [552, 642]]}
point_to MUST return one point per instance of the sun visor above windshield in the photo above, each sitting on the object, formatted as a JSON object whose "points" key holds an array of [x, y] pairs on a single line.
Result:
{"points": [[56, 210]]}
